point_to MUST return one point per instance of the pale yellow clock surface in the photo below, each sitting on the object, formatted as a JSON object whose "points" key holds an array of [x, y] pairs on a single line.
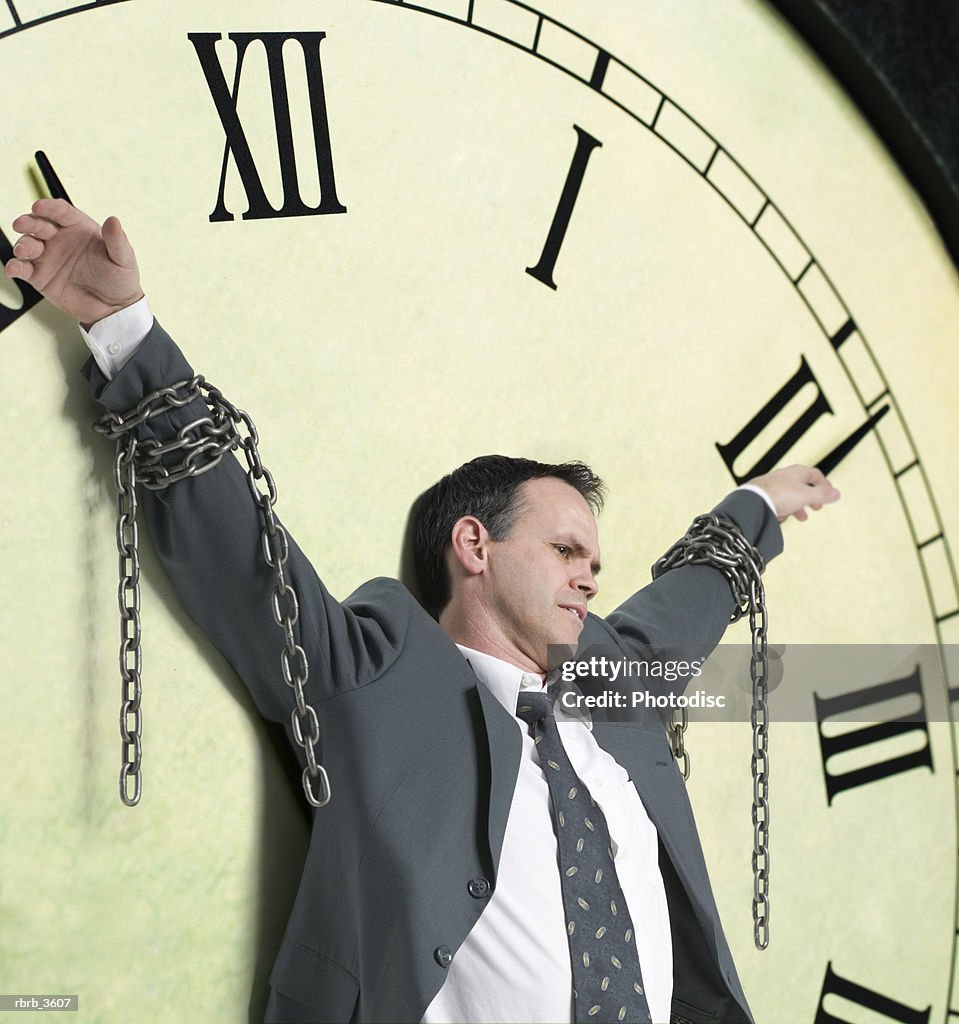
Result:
{"points": [[736, 215]]}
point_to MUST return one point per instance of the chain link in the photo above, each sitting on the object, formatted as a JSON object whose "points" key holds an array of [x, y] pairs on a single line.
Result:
{"points": [[203, 442], [718, 541]]}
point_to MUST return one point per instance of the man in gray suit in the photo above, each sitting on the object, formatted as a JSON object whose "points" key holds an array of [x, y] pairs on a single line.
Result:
{"points": [[484, 857]]}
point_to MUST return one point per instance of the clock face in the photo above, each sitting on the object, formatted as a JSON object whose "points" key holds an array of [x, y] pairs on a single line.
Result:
{"points": [[652, 237]]}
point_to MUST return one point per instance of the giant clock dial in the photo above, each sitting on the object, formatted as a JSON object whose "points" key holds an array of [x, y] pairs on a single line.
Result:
{"points": [[654, 237]]}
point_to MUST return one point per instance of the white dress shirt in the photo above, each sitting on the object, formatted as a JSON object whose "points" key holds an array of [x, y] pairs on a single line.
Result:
{"points": [[514, 964]]}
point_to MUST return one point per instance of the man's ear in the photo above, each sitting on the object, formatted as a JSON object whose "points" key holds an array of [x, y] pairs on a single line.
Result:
{"points": [[469, 543]]}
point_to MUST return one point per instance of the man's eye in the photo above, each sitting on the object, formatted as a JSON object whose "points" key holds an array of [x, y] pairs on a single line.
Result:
{"points": [[562, 549]]}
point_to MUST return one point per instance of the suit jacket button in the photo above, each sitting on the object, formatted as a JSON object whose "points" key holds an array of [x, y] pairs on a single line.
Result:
{"points": [[478, 887], [443, 956]]}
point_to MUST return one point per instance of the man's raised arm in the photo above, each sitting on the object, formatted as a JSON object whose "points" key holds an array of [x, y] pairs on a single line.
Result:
{"points": [[691, 604], [206, 528]]}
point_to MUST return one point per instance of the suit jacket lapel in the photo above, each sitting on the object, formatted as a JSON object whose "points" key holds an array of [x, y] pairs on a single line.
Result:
{"points": [[676, 830], [505, 750]]}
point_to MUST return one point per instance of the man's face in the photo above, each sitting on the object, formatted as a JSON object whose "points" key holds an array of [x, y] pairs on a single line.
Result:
{"points": [[541, 575]]}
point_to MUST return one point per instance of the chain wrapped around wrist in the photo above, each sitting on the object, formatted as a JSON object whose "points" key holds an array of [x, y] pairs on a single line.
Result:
{"points": [[195, 449], [717, 541]]}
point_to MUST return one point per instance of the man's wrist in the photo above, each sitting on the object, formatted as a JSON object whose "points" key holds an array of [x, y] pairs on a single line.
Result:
{"points": [[106, 316], [762, 494], [115, 338]]}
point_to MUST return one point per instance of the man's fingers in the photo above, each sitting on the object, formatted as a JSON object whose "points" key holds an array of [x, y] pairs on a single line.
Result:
{"points": [[27, 224], [829, 493], [57, 210], [814, 477], [810, 475], [18, 268], [28, 248], [118, 246], [795, 488]]}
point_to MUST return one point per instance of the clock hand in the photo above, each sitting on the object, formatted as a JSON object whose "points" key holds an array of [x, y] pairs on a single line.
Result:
{"points": [[55, 186], [829, 462]]}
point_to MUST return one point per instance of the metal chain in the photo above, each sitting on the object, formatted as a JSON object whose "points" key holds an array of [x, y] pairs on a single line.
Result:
{"points": [[717, 541], [676, 730], [203, 442], [128, 597]]}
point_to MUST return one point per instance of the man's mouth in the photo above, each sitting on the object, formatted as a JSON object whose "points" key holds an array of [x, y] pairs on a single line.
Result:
{"points": [[578, 611]]}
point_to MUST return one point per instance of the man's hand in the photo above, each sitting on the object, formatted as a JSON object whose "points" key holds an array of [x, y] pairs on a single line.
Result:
{"points": [[83, 269], [794, 488]]}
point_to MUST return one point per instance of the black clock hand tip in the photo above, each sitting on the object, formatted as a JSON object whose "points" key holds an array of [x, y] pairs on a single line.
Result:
{"points": [[55, 186], [829, 462]]}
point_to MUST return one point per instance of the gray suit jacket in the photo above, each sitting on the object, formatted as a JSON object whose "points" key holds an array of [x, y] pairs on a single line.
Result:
{"points": [[422, 758]]}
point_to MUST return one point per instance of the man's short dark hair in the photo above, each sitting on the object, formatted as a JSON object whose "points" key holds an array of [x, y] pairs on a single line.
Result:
{"points": [[487, 488]]}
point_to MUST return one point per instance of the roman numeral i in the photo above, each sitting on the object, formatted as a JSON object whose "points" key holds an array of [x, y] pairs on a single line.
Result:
{"points": [[543, 270]]}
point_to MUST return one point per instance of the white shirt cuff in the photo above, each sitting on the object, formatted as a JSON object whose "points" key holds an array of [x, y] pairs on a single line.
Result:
{"points": [[762, 494], [114, 339]]}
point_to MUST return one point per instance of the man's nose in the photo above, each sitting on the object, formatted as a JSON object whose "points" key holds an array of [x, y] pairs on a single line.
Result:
{"points": [[586, 584]]}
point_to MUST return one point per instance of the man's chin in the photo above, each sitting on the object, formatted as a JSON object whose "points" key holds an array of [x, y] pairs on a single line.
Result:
{"points": [[571, 628]]}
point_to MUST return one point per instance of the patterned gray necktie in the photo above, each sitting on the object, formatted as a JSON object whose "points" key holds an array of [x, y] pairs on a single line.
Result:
{"points": [[607, 981]]}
